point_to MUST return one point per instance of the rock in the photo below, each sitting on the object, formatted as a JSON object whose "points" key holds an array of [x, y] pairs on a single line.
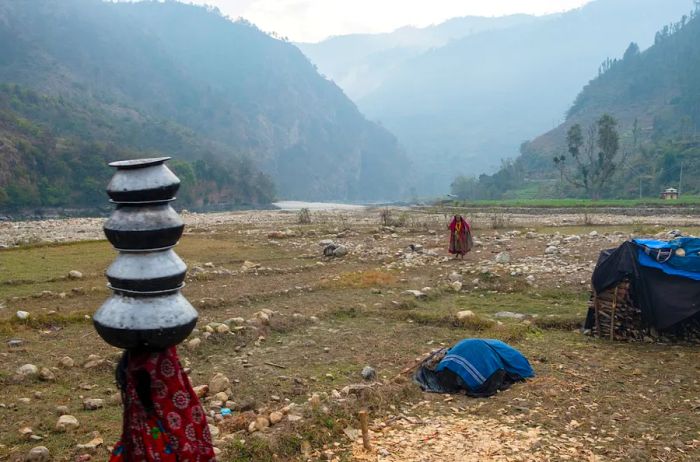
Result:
{"points": [[75, 274], [92, 404], [221, 396], [503, 257], [93, 444], [572, 238], [456, 277], [194, 343], [530, 279], [27, 371], [214, 430], [462, 315], [38, 454], [249, 265], [593, 234], [67, 423], [201, 391], [223, 329], [416, 293], [261, 423], [325, 243], [551, 250], [62, 410], [219, 383], [456, 286], [340, 251], [26, 433], [22, 315], [294, 418], [368, 373], [46, 374], [276, 417], [15, 343], [66, 362], [245, 404], [93, 361], [510, 315]]}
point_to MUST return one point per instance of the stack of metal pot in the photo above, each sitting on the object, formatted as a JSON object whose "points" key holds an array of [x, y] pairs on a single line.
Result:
{"points": [[147, 310]]}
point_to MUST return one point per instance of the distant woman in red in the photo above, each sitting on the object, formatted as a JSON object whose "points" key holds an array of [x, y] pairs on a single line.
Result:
{"points": [[460, 237]]}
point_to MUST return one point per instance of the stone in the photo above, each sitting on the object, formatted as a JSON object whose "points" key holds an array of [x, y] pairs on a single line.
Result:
{"points": [[276, 417], [92, 404], [194, 343], [66, 362], [26, 433], [368, 373], [67, 423], [510, 315], [249, 265], [22, 315], [551, 250], [46, 375], [340, 251], [593, 234], [219, 383], [456, 286], [261, 423], [38, 454], [62, 410], [201, 391], [223, 329], [93, 444], [462, 315], [503, 257], [15, 343], [294, 418], [530, 279], [456, 277], [221, 396], [93, 361], [75, 274], [27, 371], [416, 293], [214, 430]]}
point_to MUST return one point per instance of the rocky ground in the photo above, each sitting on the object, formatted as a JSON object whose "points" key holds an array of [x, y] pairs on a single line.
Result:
{"points": [[301, 326]]}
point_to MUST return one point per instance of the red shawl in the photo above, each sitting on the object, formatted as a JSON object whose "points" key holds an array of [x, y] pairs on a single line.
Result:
{"points": [[460, 236], [163, 418]]}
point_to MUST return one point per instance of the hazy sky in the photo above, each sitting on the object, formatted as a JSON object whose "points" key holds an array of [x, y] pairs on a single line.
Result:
{"points": [[314, 20]]}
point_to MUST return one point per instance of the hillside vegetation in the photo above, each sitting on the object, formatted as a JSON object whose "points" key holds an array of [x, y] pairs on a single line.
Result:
{"points": [[167, 78], [655, 97]]}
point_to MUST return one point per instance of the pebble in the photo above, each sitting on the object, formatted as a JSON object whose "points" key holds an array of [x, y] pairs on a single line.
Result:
{"points": [[276, 417], [38, 454], [46, 375], [66, 362], [22, 315], [67, 423], [368, 373], [219, 383], [75, 274], [27, 371], [194, 343], [92, 404]]}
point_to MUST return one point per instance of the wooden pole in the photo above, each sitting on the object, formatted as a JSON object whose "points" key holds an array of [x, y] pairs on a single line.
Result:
{"points": [[364, 425]]}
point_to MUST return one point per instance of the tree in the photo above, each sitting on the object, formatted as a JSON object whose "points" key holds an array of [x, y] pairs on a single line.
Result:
{"points": [[595, 156], [631, 52]]}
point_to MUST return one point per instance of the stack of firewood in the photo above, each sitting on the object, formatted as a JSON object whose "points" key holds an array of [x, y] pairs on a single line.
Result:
{"points": [[618, 317]]}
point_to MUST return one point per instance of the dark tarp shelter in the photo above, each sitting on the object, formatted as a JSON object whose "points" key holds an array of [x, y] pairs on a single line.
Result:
{"points": [[664, 279]]}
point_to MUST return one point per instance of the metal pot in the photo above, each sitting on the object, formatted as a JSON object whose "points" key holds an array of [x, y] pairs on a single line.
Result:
{"points": [[144, 227], [145, 322], [147, 272], [142, 180]]}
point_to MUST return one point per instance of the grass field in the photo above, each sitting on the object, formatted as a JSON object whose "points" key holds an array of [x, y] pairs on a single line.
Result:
{"points": [[331, 318]]}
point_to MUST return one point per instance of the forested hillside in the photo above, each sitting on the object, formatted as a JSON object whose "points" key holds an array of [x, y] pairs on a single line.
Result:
{"points": [[654, 96], [166, 78], [461, 108]]}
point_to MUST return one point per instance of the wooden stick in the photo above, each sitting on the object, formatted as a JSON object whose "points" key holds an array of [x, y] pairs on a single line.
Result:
{"points": [[612, 318], [364, 425]]}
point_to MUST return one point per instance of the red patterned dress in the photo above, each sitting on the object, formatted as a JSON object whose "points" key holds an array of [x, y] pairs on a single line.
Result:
{"points": [[163, 418]]}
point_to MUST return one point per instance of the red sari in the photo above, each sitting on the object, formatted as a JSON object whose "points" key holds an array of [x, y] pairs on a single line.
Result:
{"points": [[163, 418], [460, 236]]}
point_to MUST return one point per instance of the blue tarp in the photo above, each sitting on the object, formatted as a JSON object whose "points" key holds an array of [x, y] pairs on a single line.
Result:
{"points": [[680, 257], [475, 360]]}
